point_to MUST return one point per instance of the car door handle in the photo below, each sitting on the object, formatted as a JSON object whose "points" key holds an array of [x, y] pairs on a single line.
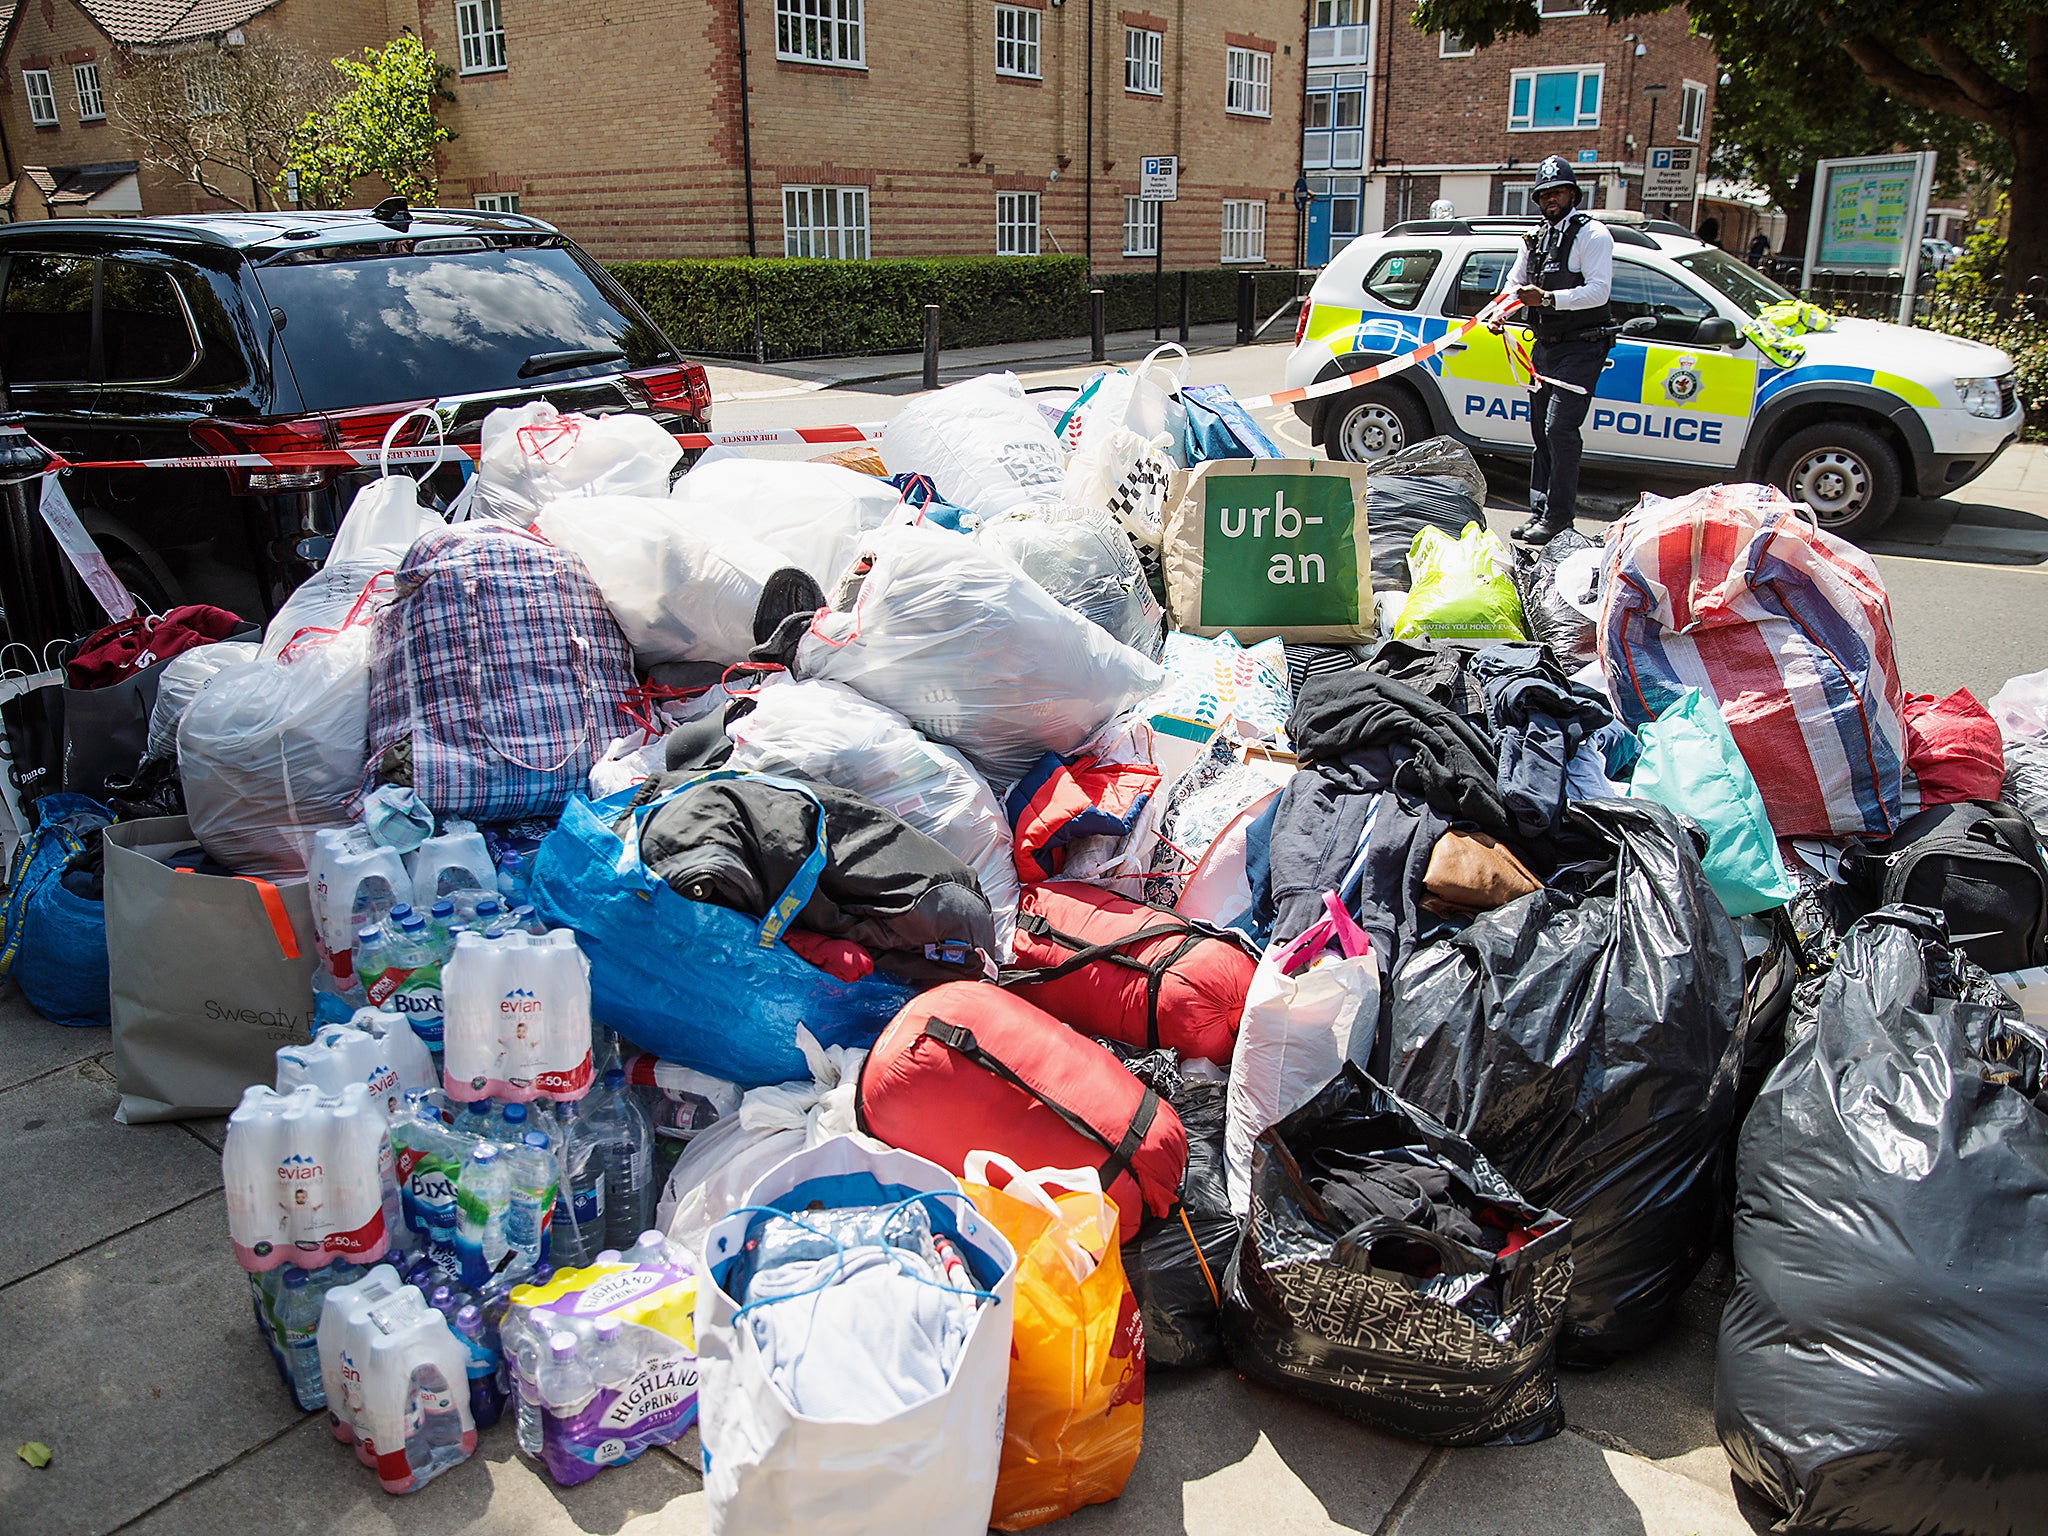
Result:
{"points": [[1456, 346]]}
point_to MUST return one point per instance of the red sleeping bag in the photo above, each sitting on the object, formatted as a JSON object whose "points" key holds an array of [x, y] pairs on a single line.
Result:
{"points": [[1121, 971], [968, 1067]]}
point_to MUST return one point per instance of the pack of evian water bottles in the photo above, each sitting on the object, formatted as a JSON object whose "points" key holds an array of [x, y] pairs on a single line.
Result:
{"points": [[516, 1024], [397, 1381]]}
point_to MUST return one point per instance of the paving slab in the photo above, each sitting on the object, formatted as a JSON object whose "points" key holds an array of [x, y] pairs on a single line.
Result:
{"points": [[31, 1045], [84, 1177], [1658, 1404], [1565, 1486], [305, 1480], [1223, 1458], [138, 1364]]}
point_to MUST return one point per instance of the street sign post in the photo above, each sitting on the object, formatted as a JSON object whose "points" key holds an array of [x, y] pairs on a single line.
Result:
{"points": [[1671, 175], [1158, 182]]}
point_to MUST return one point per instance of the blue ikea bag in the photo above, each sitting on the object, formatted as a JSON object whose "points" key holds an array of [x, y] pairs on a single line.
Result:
{"points": [[1219, 428], [695, 983], [53, 942]]}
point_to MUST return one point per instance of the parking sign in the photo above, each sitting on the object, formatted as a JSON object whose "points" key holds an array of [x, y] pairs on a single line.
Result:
{"points": [[1159, 179], [1671, 175]]}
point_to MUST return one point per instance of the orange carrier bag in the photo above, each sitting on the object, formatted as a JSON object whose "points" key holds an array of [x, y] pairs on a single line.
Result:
{"points": [[1076, 1413]]}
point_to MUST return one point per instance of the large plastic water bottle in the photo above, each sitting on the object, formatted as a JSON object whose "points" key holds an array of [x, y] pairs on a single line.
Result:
{"points": [[486, 1397], [481, 1196], [566, 1385], [430, 1156], [298, 1322], [578, 1229], [621, 1129], [527, 1216]]}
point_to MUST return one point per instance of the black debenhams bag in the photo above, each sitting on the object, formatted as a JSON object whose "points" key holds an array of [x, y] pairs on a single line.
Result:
{"points": [[1587, 1039], [1881, 1366], [1175, 1264], [1388, 1272]]}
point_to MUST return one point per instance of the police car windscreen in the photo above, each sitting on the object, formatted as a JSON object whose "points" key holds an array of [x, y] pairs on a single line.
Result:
{"points": [[1746, 286], [362, 329]]}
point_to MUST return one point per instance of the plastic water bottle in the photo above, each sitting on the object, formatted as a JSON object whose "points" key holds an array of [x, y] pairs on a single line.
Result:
{"points": [[515, 870], [441, 918], [486, 1397], [480, 1200], [532, 1198], [578, 1229], [528, 921], [298, 1324], [566, 1387], [622, 1130], [488, 911], [614, 1359], [430, 1156], [527, 1345], [650, 1247]]}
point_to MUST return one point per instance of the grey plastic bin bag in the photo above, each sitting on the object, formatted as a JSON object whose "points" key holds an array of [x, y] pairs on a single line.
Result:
{"points": [[210, 975]]}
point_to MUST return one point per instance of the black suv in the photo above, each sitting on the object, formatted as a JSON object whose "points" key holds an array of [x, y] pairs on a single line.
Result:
{"points": [[264, 333]]}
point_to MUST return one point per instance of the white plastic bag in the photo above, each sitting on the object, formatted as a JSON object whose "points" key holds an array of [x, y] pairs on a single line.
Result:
{"points": [[179, 684], [929, 1467], [1145, 400], [1300, 1026], [535, 455], [974, 653], [272, 751], [826, 731], [1127, 477], [812, 515], [376, 531], [682, 584], [720, 1165], [1085, 561], [982, 442]]}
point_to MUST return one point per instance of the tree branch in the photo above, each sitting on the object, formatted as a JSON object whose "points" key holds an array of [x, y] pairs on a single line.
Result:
{"points": [[1978, 84], [1935, 93]]}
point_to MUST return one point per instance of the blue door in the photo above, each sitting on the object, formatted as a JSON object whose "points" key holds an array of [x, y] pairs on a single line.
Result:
{"points": [[1318, 244]]}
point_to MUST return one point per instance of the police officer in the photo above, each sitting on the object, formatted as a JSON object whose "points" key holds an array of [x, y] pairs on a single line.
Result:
{"points": [[1562, 276]]}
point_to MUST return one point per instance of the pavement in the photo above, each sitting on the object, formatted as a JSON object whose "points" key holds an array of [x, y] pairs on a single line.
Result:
{"points": [[127, 1346]]}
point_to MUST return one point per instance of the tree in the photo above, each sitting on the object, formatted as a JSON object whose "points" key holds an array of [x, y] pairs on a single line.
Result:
{"points": [[383, 125], [1961, 69], [224, 120]]}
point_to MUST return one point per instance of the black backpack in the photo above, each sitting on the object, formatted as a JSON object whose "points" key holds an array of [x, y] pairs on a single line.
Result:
{"points": [[1976, 861]]}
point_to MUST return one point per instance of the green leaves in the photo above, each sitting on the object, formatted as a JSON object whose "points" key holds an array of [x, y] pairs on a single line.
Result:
{"points": [[35, 1453], [383, 125]]}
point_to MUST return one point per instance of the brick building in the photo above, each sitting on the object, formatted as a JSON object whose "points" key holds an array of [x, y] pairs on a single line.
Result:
{"points": [[1397, 118], [878, 127]]}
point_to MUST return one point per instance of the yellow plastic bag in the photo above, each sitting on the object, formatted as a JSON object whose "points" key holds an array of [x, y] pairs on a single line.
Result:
{"points": [[1462, 590], [1076, 1413]]}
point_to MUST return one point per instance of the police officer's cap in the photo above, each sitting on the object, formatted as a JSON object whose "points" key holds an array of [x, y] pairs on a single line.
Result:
{"points": [[1555, 171]]}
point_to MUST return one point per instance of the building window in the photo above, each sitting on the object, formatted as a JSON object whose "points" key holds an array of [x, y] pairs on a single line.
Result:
{"points": [[85, 79], [1550, 99], [1141, 227], [480, 35], [42, 100], [496, 202], [1244, 229], [1692, 111], [1554, 8], [826, 222], [1016, 223], [1449, 45], [1515, 201], [1141, 61], [1338, 13], [1333, 121], [1248, 82], [821, 32], [1017, 41], [206, 93]]}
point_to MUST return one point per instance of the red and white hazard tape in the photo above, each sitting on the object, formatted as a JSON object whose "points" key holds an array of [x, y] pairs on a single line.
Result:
{"points": [[1499, 309], [364, 458]]}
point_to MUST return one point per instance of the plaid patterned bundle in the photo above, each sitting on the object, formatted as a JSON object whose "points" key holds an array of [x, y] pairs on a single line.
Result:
{"points": [[498, 678], [1734, 590]]}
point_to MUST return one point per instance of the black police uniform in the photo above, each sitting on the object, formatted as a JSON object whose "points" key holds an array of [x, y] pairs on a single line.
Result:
{"points": [[1571, 345]]}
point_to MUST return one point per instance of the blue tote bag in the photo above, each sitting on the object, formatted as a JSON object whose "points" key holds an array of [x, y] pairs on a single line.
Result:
{"points": [[694, 983], [53, 942]]}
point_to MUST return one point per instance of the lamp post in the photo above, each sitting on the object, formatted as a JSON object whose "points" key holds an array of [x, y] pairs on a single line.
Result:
{"points": [[1653, 92]]}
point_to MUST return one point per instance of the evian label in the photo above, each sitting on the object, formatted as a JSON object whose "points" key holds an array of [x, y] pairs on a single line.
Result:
{"points": [[664, 1383], [519, 1003]]}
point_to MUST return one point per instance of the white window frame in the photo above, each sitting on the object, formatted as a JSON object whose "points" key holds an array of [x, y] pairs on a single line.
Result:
{"points": [[1141, 227], [42, 97], [1692, 103], [92, 101], [495, 202], [1017, 219], [206, 93], [1247, 82], [1017, 42], [829, 223], [1339, 13], [480, 36], [832, 33], [1444, 50], [1143, 49], [1580, 123], [1518, 192], [1244, 229]]}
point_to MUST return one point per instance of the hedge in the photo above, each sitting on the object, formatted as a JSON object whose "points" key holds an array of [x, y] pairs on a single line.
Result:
{"points": [[847, 308], [2015, 331]]}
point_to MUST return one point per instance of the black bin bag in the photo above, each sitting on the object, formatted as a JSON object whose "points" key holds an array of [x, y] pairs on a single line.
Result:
{"points": [[1587, 1039], [1431, 484], [1573, 638], [1883, 1364], [1175, 1264], [1388, 1272]]}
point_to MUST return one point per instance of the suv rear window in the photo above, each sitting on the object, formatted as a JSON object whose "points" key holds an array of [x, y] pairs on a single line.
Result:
{"points": [[1398, 278], [377, 327]]}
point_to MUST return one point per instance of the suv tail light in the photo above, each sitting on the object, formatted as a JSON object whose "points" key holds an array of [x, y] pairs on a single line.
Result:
{"points": [[1301, 325], [684, 388], [359, 429]]}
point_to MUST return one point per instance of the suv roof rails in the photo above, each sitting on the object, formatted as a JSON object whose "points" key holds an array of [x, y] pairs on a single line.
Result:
{"points": [[1626, 231]]}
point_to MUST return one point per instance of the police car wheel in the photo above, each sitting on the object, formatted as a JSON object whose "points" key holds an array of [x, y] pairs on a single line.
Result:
{"points": [[1846, 473], [1373, 422]]}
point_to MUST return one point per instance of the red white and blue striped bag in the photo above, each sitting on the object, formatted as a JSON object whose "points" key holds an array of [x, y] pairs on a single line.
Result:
{"points": [[1736, 591], [498, 671]]}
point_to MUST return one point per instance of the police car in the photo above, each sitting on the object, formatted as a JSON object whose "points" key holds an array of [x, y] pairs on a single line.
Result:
{"points": [[1868, 413]]}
